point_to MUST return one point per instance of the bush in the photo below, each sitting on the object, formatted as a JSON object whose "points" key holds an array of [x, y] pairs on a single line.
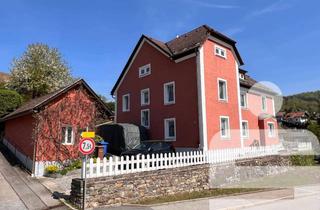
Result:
{"points": [[9, 101], [302, 160], [52, 169]]}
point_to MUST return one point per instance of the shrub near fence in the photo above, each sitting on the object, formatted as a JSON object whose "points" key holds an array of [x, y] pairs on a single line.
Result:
{"points": [[138, 163]]}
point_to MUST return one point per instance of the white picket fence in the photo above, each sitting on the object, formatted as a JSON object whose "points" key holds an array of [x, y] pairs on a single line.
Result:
{"points": [[304, 146], [139, 163]]}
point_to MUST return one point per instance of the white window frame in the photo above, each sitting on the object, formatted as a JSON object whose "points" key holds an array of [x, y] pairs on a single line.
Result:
{"points": [[144, 68], [271, 134], [227, 136], [225, 81], [65, 140], [247, 133], [165, 94], [141, 119], [245, 100], [264, 103], [220, 49], [241, 76], [142, 99], [124, 109], [166, 129]]}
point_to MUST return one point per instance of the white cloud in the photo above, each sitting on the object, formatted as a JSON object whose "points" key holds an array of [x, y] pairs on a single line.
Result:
{"points": [[233, 31], [274, 7], [212, 5]]}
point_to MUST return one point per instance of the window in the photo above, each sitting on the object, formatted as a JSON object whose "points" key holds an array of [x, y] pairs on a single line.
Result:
{"points": [[170, 129], [245, 129], [220, 51], [222, 88], [126, 103], [224, 127], [145, 118], [144, 70], [264, 103], [145, 97], [67, 135], [169, 93], [241, 76], [243, 100], [271, 132]]}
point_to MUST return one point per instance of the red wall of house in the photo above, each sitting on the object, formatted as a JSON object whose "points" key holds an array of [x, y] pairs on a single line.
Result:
{"points": [[163, 70], [216, 67], [19, 132], [74, 108]]}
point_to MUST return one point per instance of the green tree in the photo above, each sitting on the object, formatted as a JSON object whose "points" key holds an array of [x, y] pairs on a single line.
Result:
{"points": [[9, 101], [315, 129], [110, 104], [38, 71]]}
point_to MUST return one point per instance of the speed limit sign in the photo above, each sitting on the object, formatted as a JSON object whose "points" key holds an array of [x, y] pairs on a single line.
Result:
{"points": [[86, 146]]}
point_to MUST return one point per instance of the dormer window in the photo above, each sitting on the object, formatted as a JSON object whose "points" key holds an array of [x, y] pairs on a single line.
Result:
{"points": [[144, 70], [241, 76], [220, 51]]}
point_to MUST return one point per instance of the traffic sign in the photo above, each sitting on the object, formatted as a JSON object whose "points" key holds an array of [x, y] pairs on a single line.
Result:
{"points": [[88, 134], [86, 146]]}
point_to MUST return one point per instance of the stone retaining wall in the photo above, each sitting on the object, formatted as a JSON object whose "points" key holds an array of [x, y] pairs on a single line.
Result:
{"points": [[129, 188]]}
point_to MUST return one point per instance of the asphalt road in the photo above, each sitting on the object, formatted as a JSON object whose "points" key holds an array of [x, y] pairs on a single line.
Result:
{"points": [[20, 191]]}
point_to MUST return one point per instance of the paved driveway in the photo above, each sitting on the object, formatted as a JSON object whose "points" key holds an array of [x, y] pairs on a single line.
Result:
{"points": [[20, 191]]}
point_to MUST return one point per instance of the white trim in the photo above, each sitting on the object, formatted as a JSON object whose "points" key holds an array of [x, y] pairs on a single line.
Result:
{"points": [[228, 136], [115, 108], [141, 122], [65, 140], [142, 102], [123, 105], [168, 138], [247, 136], [202, 101], [239, 104], [143, 68], [185, 57], [274, 130], [226, 82], [165, 94], [133, 58], [273, 106], [226, 45], [221, 49]]}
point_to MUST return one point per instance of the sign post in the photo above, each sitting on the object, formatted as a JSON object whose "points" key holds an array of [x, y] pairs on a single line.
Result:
{"points": [[86, 147]]}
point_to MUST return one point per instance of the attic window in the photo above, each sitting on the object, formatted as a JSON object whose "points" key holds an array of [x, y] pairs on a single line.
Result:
{"points": [[144, 70], [241, 76], [220, 51]]}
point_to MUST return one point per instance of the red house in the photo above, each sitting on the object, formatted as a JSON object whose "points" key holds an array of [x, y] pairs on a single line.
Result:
{"points": [[46, 130], [191, 91]]}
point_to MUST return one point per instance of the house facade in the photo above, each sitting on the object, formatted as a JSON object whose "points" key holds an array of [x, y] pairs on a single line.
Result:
{"points": [[192, 92], [46, 130]]}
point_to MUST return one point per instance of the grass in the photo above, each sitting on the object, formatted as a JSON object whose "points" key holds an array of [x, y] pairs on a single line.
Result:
{"points": [[198, 194]]}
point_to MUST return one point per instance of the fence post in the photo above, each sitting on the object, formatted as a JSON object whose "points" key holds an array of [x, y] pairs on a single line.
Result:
{"points": [[98, 167], [121, 164]]}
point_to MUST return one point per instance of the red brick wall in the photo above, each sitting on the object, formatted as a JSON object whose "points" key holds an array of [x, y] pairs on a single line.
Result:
{"points": [[217, 67], [18, 132], [163, 70]]}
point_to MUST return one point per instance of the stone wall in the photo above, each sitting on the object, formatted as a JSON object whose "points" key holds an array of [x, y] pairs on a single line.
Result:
{"points": [[130, 188]]}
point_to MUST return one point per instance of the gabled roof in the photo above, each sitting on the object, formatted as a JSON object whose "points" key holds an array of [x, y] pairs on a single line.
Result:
{"points": [[182, 45], [39, 102]]}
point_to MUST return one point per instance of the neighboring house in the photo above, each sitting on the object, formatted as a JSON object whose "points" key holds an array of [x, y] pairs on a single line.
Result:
{"points": [[4, 77], [191, 91], [297, 118], [280, 116], [46, 130]]}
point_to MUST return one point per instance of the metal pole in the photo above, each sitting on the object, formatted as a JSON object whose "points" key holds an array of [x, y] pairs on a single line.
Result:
{"points": [[84, 182]]}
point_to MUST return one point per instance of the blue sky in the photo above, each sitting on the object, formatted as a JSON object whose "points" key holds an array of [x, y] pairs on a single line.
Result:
{"points": [[277, 39]]}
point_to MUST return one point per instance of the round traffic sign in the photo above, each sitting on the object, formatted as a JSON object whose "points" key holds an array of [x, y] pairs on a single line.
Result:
{"points": [[86, 146]]}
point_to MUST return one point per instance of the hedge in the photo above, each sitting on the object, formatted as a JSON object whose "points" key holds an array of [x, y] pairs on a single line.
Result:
{"points": [[9, 101]]}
